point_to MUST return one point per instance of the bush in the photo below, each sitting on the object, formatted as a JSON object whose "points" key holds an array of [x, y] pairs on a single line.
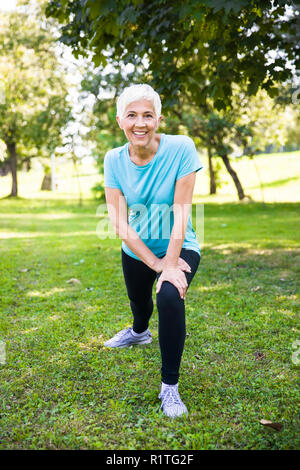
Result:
{"points": [[98, 192]]}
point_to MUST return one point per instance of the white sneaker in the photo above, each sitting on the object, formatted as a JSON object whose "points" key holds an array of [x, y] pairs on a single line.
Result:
{"points": [[172, 404], [125, 338]]}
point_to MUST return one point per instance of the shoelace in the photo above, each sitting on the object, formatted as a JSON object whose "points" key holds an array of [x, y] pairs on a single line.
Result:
{"points": [[121, 333], [171, 397]]}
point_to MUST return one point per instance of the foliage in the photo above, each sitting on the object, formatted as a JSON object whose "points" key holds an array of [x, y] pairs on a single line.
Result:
{"points": [[289, 98], [34, 108], [196, 53], [104, 131], [198, 46], [250, 124]]}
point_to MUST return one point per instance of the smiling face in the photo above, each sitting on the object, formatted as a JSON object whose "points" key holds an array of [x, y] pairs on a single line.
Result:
{"points": [[139, 123]]}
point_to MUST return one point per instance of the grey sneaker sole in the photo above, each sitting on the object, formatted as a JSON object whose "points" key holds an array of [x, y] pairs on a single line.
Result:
{"points": [[144, 341], [183, 413]]}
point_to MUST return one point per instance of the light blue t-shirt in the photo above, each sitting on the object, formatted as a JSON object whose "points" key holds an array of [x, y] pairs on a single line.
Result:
{"points": [[149, 190]]}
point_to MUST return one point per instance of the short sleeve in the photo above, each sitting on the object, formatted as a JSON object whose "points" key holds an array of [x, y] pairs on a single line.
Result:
{"points": [[110, 178], [189, 159]]}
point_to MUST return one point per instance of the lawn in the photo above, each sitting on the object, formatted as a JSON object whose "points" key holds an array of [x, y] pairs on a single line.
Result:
{"points": [[61, 389]]}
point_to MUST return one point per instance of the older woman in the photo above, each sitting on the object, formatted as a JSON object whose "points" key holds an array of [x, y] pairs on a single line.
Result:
{"points": [[154, 175]]}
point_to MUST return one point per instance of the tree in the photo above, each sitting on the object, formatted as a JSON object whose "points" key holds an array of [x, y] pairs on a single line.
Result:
{"points": [[192, 50], [34, 106], [252, 123], [104, 131], [215, 131], [247, 128], [198, 46]]}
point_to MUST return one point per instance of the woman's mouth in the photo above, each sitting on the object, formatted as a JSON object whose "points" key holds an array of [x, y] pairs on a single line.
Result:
{"points": [[139, 134]]}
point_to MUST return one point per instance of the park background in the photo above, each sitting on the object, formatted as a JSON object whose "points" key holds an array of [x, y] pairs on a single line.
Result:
{"points": [[62, 289]]}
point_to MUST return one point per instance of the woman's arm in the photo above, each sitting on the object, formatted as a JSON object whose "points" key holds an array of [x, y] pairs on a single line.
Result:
{"points": [[117, 211], [183, 196]]}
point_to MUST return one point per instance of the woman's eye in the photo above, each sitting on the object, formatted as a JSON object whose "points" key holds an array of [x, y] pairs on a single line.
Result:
{"points": [[131, 115]]}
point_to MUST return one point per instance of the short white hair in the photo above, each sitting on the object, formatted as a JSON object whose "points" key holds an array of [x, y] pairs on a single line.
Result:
{"points": [[135, 93]]}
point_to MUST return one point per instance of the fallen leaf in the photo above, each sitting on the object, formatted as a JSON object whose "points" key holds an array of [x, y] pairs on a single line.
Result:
{"points": [[259, 355], [270, 424], [73, 281], [255, 288]]}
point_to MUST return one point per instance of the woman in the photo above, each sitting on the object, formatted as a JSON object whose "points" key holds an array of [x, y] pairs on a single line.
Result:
{"points": [[154, 175]]}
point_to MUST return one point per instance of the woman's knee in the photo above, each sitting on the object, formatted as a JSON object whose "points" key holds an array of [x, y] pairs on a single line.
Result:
{"points": [[168, 295]]}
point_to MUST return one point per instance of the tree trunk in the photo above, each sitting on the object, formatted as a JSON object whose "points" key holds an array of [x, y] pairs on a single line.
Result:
{"points": [[46, 183], [234, 176], [212, 175], [11, 147]]}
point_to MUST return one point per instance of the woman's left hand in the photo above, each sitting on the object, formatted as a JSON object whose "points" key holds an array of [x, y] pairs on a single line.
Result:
{"points": [[177, 277], [182, 264]]}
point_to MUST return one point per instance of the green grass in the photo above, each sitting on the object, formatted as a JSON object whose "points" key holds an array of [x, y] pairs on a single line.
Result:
{"points": [[61, 389]]}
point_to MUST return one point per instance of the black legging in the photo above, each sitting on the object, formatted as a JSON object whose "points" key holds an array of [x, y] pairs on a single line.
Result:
{"points": [[139, 279]]}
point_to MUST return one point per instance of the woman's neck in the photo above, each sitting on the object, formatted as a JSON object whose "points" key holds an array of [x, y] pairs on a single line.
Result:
{"points": [[145, 153]]}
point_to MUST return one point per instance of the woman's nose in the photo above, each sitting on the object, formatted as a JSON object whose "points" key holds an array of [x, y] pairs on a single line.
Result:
{"points": [[140, 121]]}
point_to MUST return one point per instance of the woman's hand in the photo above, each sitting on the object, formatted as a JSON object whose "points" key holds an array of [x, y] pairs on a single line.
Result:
{"points": [[177, 277], [160, 263], [184, 266]]}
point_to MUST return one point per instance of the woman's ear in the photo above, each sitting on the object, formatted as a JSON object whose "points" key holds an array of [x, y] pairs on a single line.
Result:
{"points": [[119, 122], [159, 121]]}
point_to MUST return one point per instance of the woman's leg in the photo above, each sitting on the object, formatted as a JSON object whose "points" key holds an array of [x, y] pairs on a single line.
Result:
{"points": [[171, 311], [139, 279]]}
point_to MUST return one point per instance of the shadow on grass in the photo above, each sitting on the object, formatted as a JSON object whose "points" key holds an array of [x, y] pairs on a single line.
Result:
{"points": [[274, 184], [39, 205]]}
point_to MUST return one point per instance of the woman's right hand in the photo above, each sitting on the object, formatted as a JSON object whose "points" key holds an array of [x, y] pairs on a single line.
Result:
{"points": [[159, 265]]}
